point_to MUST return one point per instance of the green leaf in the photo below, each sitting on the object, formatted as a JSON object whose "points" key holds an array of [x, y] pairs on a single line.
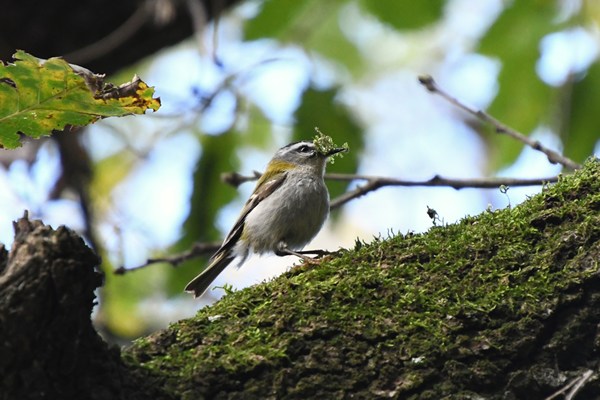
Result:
{"points": [[320, 109], [523, 101], [38, 96], [405, 14], [582, 127]]}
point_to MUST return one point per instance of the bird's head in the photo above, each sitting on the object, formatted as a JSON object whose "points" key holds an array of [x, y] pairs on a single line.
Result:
{"points": [[305, 153]]}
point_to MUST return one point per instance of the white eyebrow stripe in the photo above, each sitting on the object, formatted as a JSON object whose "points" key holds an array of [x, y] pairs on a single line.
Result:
{"points": [[297, 145]]}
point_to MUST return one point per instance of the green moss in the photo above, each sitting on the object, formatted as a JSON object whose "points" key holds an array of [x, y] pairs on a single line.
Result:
{"points": [[392, 305]]}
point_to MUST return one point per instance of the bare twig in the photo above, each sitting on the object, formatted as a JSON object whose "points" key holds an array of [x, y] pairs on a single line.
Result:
{"points": [[376, 182], [235, 179], [582, 380], [217, 10], [563, 389], [111, 41], [199, 19], [575, 385], [553, 156], [199, 249]]}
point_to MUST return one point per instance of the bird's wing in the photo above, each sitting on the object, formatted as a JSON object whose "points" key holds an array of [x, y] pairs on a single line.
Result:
{"points": [[266, 186]]}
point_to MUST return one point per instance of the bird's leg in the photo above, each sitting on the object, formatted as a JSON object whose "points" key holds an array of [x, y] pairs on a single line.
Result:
{"points": [[317, 252], [283, 250]]}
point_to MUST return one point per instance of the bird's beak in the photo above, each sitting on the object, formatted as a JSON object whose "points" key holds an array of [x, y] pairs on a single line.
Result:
{"points": [[335, 151]]}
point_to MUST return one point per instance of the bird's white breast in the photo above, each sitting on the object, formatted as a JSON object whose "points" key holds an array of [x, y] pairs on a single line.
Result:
{"points": [[294, 213]]}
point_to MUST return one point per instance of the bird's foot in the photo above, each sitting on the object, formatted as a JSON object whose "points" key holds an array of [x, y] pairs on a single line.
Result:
{"points": [[283, 250]]}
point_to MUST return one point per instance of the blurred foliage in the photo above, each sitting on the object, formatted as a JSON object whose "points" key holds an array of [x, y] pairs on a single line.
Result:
{"points": [[121, 295], [328, 40], [405, 14], [218, 156], [313, 24], [581, 129], [290, 20], [209, 195], [108, 173], [255, 129], [38, 96], [523, 102]]}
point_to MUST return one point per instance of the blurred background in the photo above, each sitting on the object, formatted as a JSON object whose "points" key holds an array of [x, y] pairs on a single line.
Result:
{"points": [[238, 79]]}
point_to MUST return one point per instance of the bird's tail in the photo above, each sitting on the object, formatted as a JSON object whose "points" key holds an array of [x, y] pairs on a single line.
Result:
{"points": [[200, 283]]}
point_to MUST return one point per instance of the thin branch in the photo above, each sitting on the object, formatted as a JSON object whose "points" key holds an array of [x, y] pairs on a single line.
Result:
{"points": [[437, 180], [235, 179], [575, 384], [199, 249], [563, 389], [217, 10], [111, 41], [582, 380], [199, 19], [553, 156], [375, 182]]}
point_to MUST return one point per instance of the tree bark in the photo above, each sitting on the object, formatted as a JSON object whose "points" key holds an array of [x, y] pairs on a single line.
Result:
{"points": [[48, 347], [505, 305]]}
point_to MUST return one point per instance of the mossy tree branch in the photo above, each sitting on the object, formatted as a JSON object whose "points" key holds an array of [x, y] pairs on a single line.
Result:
{"points": [[505, 302], [502, 305]]}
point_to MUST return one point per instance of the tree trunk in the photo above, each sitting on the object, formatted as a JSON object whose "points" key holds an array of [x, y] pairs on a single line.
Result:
{"points": [[48, 347], [505, 305]]}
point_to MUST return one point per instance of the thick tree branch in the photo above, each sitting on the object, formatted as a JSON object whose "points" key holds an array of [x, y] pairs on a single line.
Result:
{"points": [[501, 305]]}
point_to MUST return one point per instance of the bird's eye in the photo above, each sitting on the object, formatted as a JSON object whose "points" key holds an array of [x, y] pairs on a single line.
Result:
{"points": [[304, 149]]}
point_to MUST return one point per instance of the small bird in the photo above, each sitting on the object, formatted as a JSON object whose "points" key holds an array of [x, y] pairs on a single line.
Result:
{"points": [[286, 210]]}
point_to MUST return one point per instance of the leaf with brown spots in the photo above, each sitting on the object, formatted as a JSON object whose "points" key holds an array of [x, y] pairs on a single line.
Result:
{"points": [[38, 96]]}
